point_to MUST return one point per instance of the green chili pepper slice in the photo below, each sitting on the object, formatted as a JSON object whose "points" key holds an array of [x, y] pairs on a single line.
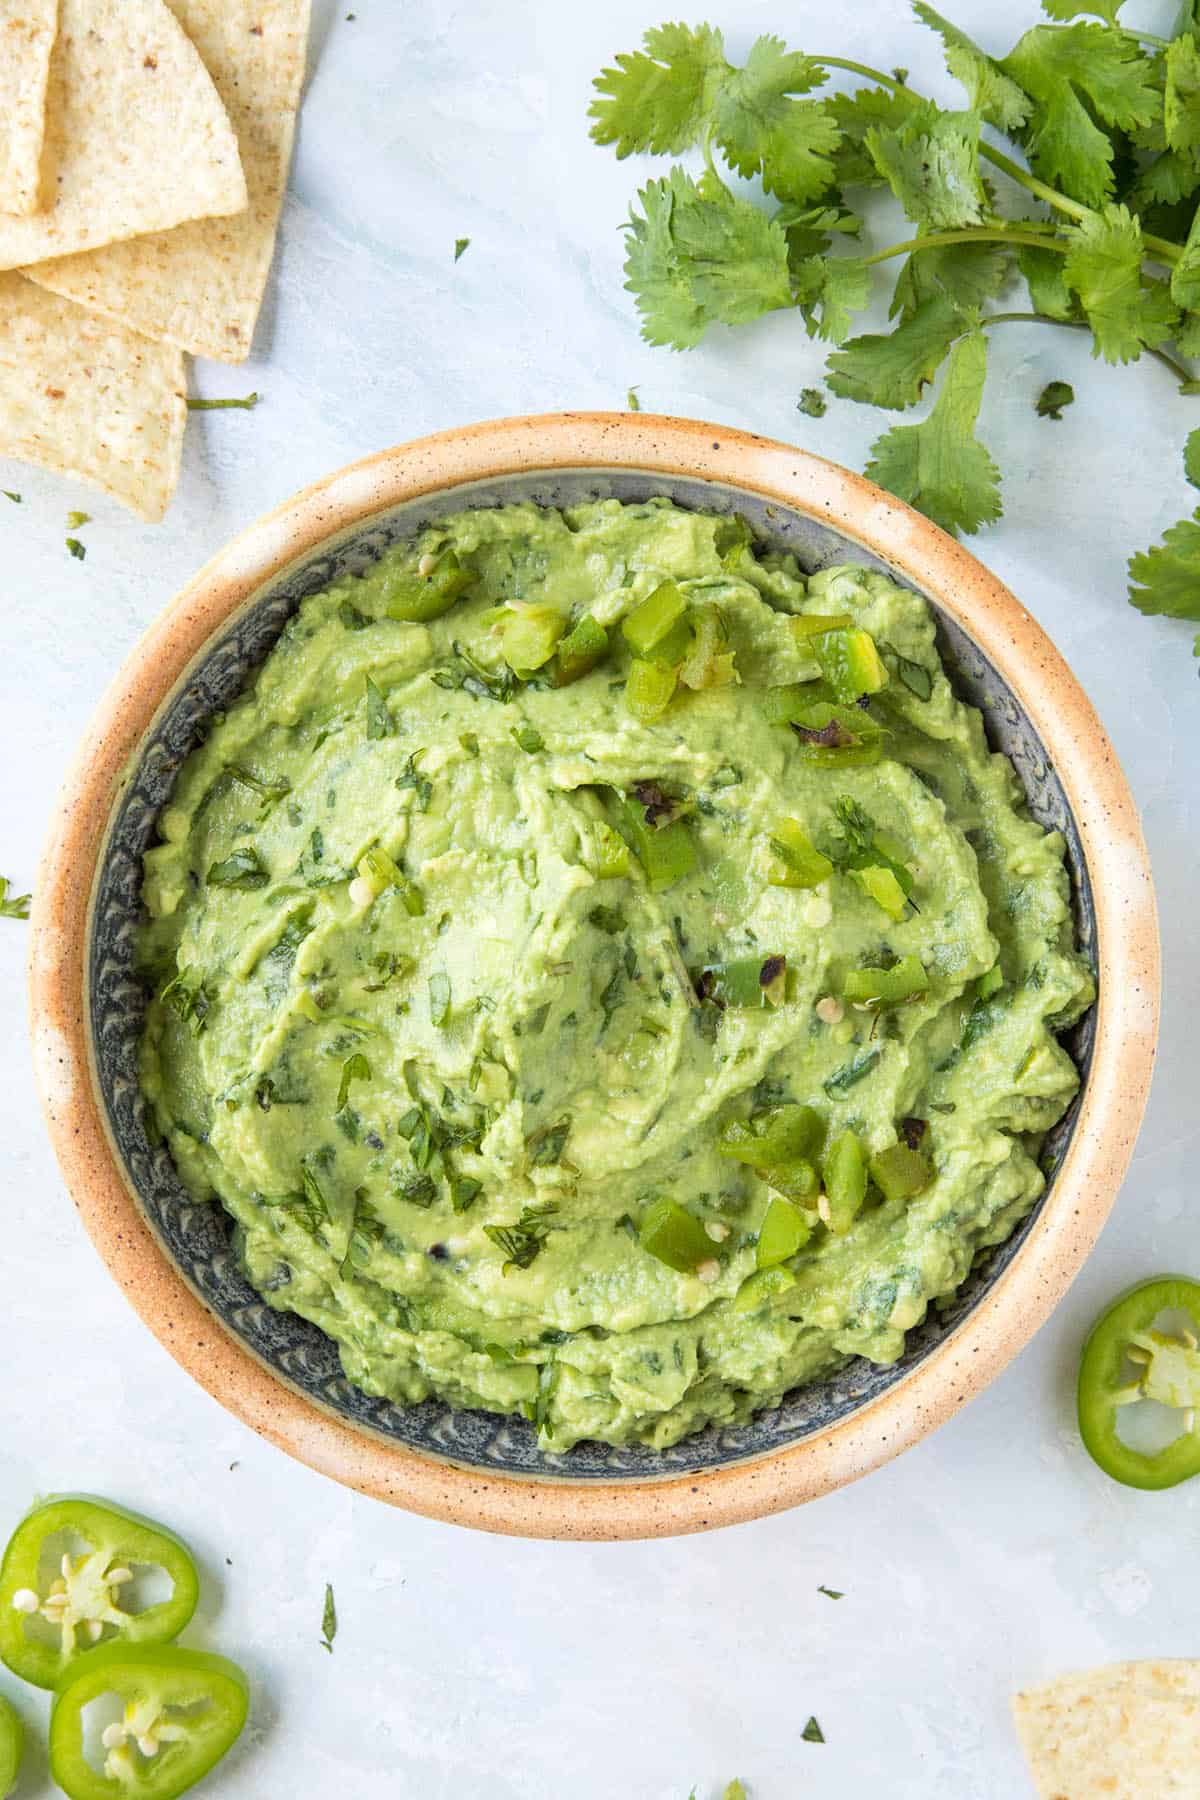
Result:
{"points": [[666, 852], [807, 625], [784, 1134], [675, 1236], [845, 1183], [761, 1287], [418, 598], [877, 987], [900, 1173], [649, 690], [1126, 1359], [82, 1600], [12, 1744], [528, 638], [652, 620], [183, 1709], [745, 981], [880, 884], [850, 663], [783, 1232], [579, 652], [796, 862]]}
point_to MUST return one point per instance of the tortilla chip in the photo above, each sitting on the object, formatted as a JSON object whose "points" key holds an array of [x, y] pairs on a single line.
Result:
{"points": [[136, 136], [201, 285], [27, 29], [1127, 1732], [84, 397]]}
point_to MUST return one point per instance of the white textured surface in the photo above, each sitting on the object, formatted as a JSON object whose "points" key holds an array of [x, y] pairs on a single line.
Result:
{"points": [[469, 1668]]}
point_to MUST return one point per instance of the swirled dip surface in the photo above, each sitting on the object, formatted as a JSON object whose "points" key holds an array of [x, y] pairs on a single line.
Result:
{"points": [[478, 986]]}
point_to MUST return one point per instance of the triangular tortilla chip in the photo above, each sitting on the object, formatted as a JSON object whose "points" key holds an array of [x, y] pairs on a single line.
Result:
{"points": [[84, 397], [1130, 1731], [27, 29], [136, 136], [201, 285]]}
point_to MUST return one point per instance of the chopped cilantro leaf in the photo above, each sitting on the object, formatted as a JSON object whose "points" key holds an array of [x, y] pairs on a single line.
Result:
{"points": [[16, 907], [1053, 397], [246, 404], [329, 1622], [812, 403], [812, 1733], [76, 549]]}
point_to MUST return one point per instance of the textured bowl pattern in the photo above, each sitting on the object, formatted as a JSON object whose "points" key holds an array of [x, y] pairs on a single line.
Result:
{"points": [[197, 1235]]}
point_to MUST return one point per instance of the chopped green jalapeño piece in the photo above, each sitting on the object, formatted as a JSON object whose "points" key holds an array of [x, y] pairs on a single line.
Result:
{"points": [[808, 625], [649, 689], [746, 981], [782, 1135], [990, 982], [584, 646], [845, 1183], [378, 872], [783, 1232], [666, 853], [653, 618], [675, 1236], [850, 663], [430, 592], [881, 885], [831, 735], [763, 1286], [900, 1173], [795, 862], [876, 987], [528, 636]]}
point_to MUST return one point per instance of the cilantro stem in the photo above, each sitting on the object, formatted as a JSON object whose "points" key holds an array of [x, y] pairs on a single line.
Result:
{"points": [[1184, 376], [970, 234], [1072, 209]]}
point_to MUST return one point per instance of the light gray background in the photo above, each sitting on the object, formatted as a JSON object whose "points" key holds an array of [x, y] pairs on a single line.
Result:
{"points": [[470, 1668]]}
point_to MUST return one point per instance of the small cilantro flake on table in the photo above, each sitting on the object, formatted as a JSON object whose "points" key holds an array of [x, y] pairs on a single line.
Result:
{"points": [[246, 403], [812, 1733], [831, 1593], [1052, 399], [329, 1620], [460, 245], [76, 549], [1096, 129], [15, 908]]}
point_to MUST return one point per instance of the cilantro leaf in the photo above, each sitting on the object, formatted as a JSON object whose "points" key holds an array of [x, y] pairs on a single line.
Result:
{"points": [[1181, 95], [699, 255], [812, 403], [1071, 72], [931, 164], [329, 1623], [1185, 276], [1104, 268], [855, 115], [1053, 397], [893, 370], [660, 99], [967, 274], [1165, 580], [1191, 457], [1045, 274], [828, 290], [812, 1733], [17, 907], [989, 89], [809, 228], [764, 131], [939, 465], [1071, 9]]}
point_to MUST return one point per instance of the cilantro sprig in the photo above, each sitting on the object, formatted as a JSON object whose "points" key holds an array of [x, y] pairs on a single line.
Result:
{"points": [[1102, 160]]}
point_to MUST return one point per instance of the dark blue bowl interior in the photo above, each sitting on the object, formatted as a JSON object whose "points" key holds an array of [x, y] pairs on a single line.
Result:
{"points": [[197, 1236]]}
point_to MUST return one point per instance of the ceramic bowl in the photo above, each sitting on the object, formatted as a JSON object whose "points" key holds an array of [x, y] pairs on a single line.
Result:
{"points": [[172, 1255]]}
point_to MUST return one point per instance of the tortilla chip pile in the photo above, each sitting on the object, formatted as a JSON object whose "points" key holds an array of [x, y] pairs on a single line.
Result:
{"points": [[144, 150]]}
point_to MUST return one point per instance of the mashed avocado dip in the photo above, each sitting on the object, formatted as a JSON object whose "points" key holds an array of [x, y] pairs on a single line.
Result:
{"points": [[604, 973]]}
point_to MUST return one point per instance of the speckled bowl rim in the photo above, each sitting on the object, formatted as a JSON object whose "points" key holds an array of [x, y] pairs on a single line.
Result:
{"points": [[1111, 1106]]}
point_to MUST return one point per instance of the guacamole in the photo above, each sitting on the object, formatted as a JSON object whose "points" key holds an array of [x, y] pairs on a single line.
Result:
{"points": [[604, 972]]}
